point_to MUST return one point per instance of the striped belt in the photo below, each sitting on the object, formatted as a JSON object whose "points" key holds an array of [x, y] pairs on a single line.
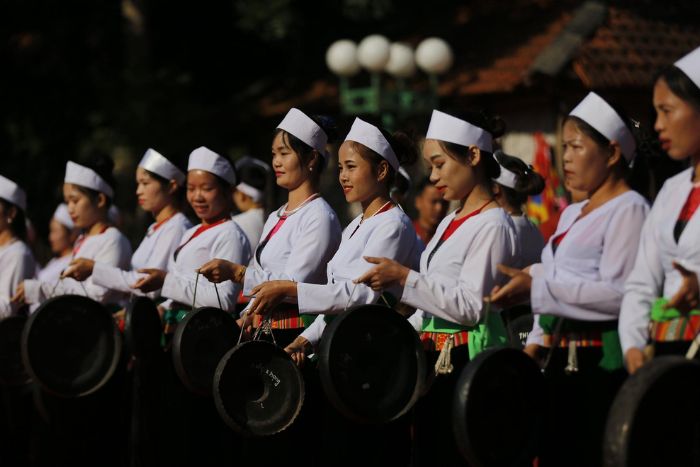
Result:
{"points": [[676, 329], [286, 316], [435, 341], [581, 339]]}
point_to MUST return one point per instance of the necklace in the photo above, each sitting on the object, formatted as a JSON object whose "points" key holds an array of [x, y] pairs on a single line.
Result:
{"points": [[281, 213], [380, 210]]}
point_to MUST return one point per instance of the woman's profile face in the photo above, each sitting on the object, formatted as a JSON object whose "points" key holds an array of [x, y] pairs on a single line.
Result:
{"points": [[677, 123]]}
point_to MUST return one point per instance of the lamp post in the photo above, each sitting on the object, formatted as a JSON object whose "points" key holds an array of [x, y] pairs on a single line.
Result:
{"points": [[377, 55]]}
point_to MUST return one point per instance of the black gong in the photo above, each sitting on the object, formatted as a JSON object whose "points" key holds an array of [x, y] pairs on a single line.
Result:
{"points": [[258, 389], [71, 346], [372, 365], [200, 340], [142, 328], [655, 418], [498, 411], [12, 371]]}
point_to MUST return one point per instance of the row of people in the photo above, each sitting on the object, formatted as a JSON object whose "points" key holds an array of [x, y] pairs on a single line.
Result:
{"points": [[610, 256]]}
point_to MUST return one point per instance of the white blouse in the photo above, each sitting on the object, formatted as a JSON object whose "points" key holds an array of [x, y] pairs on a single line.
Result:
{"points": [[110, 247], [462, 270], [389, 234], [584, 279], [155, 251], [530, 242], [226, 241], [16, 265], [653, 275], [300, 250], [53, 269], [251, 222]]}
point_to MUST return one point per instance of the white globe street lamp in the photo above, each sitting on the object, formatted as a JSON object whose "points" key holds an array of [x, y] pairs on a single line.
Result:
{"points": [[401, 62], [341, 58], [373, 53], [434, 56]]}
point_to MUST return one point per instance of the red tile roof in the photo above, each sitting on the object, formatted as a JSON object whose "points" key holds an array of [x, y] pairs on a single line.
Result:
{"points": [[629, 49]]}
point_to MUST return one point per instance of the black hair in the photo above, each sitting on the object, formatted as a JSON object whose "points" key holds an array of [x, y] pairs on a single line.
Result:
{"points": [[103, 165], [253, 175], [496, 127], [402, 143], [681, 85], [527, 182], [638, 176], [18, 226], [306, 152]]}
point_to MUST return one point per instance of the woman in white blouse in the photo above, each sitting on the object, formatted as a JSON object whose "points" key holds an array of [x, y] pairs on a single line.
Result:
{"points": [[16, 260], [62, 235], [663, 286], [512, 188], [457, 269], [298, 239], [369, 159], [158, 186], [249, 197], [88, 191], [210, 180], [576, 290]]}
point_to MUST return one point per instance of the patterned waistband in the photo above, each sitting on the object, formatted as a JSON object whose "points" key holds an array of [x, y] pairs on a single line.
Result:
{"points": [[679, 329], [581, 339], [435, 341], [286, 316]]}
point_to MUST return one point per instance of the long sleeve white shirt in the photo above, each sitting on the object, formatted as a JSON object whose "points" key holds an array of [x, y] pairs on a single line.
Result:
{"points": [[16, 265], [110, 247], [155, 251], [584, 279], [462, 270], [226, 241], [653, 275], [300, 250], [389, 234]]}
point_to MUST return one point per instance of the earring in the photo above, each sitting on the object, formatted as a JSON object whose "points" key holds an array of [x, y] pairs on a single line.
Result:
{"points": [[311, 169]]}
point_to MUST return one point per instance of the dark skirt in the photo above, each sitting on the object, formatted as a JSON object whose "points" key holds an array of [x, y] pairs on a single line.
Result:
{"points": [[434, 439], [578, 408]]}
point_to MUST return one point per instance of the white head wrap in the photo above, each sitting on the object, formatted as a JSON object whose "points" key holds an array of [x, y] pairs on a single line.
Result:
{"points": [[86, 177], [10, 191], [690, 65], [155, 162], [507, 178], [297, 123], [205, 159], [370, 136], [600, 115], [62, 216], [246, 161], [445, 127]]}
